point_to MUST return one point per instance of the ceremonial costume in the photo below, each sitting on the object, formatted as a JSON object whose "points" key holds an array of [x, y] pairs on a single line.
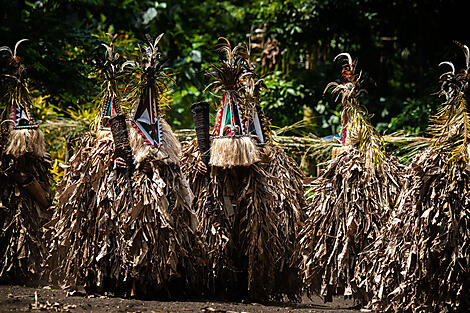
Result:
{"points": [[24, 182], [421, 262], [249, 201], [351, 199], [127, 229]]}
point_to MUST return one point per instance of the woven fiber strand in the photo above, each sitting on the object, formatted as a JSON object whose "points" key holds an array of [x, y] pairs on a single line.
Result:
{"points": [[122, 146], [23, 141], [201, 123], [168, 152]]}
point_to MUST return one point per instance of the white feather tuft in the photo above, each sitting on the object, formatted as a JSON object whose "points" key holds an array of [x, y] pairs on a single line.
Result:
{"points": [[347, 55]]}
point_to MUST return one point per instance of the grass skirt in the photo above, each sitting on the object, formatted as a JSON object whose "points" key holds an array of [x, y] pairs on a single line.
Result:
{"points": [[128, 236], [421, 262], [348, 205], [21, 217], [250, 230]]}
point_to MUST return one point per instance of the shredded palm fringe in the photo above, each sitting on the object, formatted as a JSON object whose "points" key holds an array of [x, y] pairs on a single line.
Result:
{"points": [[249, 223], [21, 218], [228, 152], [347, 207], [126, 236], [22, 141]]}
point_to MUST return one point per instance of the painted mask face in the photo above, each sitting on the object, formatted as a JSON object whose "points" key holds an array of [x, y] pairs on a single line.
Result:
{"points": [[146, 119], [255, 125], [233, 122], [230, 119], [111, 109], [152, 85], [22, 118]]}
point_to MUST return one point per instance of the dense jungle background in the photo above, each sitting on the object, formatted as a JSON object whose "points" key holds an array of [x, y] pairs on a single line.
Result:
{"points": [[399, 45]]}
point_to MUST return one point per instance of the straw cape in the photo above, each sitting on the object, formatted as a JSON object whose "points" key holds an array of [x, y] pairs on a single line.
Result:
{"points": [[123, 222], [24, 181], [349, 202], [421, 262], [249, 201]]}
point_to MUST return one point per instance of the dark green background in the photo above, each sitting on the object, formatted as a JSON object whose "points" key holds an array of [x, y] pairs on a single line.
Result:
{"points": [[399, 45]]}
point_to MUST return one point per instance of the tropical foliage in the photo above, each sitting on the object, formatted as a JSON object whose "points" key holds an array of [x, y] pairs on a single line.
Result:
{"points": [[399, 43]]}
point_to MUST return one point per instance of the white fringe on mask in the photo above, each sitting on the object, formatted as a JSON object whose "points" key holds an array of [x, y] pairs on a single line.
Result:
{"points": [[228, 152], [23, 141], [169, 151]]}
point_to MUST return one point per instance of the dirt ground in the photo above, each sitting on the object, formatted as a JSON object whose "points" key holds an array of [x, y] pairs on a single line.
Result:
{"points": [[24, 299]]}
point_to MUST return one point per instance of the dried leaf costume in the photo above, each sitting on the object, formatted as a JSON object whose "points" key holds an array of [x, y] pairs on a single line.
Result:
{"points": [[249, 202], [350, 200], [127, 230], [421, 262], [24, 181]]}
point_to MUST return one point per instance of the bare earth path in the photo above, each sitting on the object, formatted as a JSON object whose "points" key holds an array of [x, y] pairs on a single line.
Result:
{"points": [[23, 299]]}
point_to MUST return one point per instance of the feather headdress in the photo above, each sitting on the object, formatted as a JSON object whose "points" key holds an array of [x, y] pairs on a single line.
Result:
{"points": [[110, 72], [148, 88], [451, 125], [25, 137], [233, 144], [357, 129], [20, 101]]}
